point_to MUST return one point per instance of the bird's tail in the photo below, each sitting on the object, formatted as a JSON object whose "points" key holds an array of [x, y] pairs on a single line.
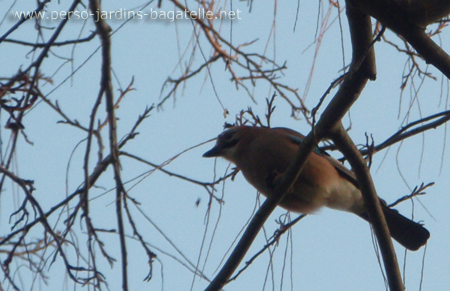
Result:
{"points": [[410, 234]]}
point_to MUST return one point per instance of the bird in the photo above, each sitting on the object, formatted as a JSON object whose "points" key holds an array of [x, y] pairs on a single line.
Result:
{"points": [[263, 154]]}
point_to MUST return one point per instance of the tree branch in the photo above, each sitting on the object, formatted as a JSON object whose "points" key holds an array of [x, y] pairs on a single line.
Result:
{"points": [[103, 31], [362, 68], [372, 202]]}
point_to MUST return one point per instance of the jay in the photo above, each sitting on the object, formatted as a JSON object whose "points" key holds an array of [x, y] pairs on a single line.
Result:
{"points": [[263, 154]]}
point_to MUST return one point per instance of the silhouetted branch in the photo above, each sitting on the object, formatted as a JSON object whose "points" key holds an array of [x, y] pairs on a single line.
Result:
{"points": [[103, 31], [63, 43]]}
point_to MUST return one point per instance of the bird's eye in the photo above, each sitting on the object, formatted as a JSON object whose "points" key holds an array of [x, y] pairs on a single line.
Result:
{"points": [[228, 139], [227, 135]]}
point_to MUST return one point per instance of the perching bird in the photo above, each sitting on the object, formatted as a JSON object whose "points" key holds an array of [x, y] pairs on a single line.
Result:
{"points": [[263, 154]]}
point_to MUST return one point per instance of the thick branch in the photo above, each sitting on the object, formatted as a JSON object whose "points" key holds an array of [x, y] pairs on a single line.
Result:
{"points": [[362, 68], [428, 49], [405, 21], [261, 216], [347, 147]]}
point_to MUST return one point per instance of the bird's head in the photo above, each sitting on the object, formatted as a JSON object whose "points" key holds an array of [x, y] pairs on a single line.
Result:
{"points": [[227, 143]]}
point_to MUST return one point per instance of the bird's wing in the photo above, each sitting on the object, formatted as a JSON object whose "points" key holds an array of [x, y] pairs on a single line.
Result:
{"points": [[297, 138], [343, 171]]}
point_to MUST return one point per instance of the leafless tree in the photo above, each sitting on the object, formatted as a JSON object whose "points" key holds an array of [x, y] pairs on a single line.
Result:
{"points": [[40, 236]]}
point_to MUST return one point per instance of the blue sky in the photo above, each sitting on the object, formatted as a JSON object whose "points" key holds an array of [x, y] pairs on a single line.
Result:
{"points": [[327, 251]]}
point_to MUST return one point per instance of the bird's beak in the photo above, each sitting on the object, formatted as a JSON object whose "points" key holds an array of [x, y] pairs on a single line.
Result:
{"points": [[214, 152]]}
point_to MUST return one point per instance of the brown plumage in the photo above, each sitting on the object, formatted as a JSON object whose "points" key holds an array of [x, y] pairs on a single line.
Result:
{"points": [[263, 154]]}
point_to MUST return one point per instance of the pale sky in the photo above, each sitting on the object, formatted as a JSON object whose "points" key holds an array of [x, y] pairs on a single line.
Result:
{"points": [[328, 251]]}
